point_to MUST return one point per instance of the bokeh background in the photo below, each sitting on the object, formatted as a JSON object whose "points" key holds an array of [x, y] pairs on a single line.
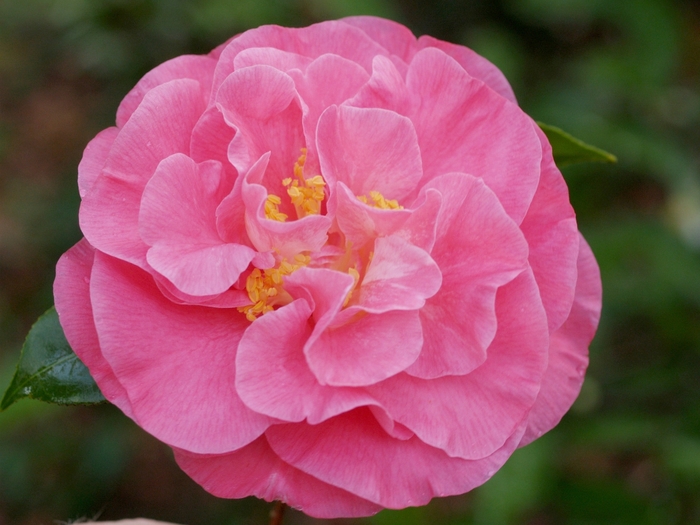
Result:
{"points": [[623, 75]]}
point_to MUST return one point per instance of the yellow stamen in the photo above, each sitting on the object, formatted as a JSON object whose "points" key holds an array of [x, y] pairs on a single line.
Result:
{"points": [[379, 201], [265, 287], [306, 194], [272, 208], [356, 277]]}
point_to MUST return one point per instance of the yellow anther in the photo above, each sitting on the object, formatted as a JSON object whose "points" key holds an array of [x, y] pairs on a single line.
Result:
{"points": [[272, 208], [265, 287], [356, 277], [379, 201], [306, 194]]}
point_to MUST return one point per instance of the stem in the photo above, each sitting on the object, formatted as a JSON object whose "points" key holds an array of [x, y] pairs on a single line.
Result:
{"points": [[277, 513]]}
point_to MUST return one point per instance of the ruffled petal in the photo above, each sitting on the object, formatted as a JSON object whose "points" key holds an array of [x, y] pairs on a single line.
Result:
{"points": [[177, 363], [71, 291], [354, 453], [255, 470], [94, 158], [568, 351], [281, 385], [269, 56], [472, 416], [394, 37]]}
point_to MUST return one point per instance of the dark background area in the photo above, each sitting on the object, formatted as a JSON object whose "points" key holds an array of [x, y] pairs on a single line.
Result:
{"points": [[623, 75]]}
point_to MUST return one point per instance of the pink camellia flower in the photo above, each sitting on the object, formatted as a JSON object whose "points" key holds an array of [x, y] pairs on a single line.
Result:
{"points": [[335, 266]]}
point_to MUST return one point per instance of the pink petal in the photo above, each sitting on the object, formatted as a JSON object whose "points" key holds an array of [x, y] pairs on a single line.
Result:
{"points": [[178, 221], [160, 127], [472, 416], [369, 150], [210, 139], [94, 158], [261, 102], [281, 385], [286, 238], [394, 37], [551, 232], [194, 67], [401, 276], [71, 291], [473, 63], [464, 126], [269, 56], [354, 453], [386, 89], [568, 352], [478, 248], [256, 470], [177, 363]]}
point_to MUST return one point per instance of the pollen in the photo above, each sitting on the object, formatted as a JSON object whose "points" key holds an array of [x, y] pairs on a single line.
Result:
{"points": [[272, 209], [306, 194], [265, 289], [379, 201]]}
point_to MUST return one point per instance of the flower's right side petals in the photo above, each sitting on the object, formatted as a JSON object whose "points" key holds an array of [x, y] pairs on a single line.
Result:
{"points": [[369, 150], [177, 363], [72, 295], [473, 415], [394, 37], [194, 67], [568, 352], [281, 385], [353, 452], [464, 126], [94, 158], [255, 470], [161, 126], [473, 63], [478, 248]]}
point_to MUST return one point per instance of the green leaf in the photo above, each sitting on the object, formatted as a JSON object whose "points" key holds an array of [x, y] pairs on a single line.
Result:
{"points": [[570, 150], [49, 370]]}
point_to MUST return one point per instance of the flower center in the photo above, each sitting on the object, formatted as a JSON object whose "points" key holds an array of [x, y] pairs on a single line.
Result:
{"points": [[265, 290], [305, 194], [378, 201]]}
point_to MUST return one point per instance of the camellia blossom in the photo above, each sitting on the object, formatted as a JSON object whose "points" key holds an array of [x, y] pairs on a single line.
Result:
{"points": [[335, 266]]}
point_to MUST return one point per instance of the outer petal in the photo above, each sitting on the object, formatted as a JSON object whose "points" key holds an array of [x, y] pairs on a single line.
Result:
{"points": [[394, 37], [472, 416], [160, 127], [464, 126], [94, 158], [71, 291], [256, 470], [369, 150], [281, 385], [553, 238], [478, 248], [195, 67], [178, 220], [568, 351], [177, 363], [354, 453], [269, 56]]}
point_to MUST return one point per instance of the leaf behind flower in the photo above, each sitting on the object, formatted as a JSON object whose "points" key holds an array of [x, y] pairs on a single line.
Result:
{"points": [[567, 149], [49, 370]]}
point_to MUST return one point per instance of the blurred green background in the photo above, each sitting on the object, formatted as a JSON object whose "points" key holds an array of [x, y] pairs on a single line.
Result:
{"points": [[623, 75]]}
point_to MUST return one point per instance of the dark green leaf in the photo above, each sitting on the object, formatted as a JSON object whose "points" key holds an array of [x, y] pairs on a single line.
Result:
{"points": [[570, 150], [49, 370]]}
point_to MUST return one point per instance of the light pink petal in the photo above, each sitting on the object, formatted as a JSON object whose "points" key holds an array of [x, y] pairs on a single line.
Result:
{"points": [[329, 80], [401, 276], [464, 126], [261, 102], [478, 248], [210, 139], [194, 67], [255, 470], [473, 63], [472, 416], [287, 238], [160, 127], [269, 56], [361, 223], [420, 228], [71, 291], [178, 221], [551, 232], [231, 298], [332, 37], [386, 89], [281, 385], [369, 150], [354, 453], [177, 363], [94, 158], [568, 352], [394, 37]]}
